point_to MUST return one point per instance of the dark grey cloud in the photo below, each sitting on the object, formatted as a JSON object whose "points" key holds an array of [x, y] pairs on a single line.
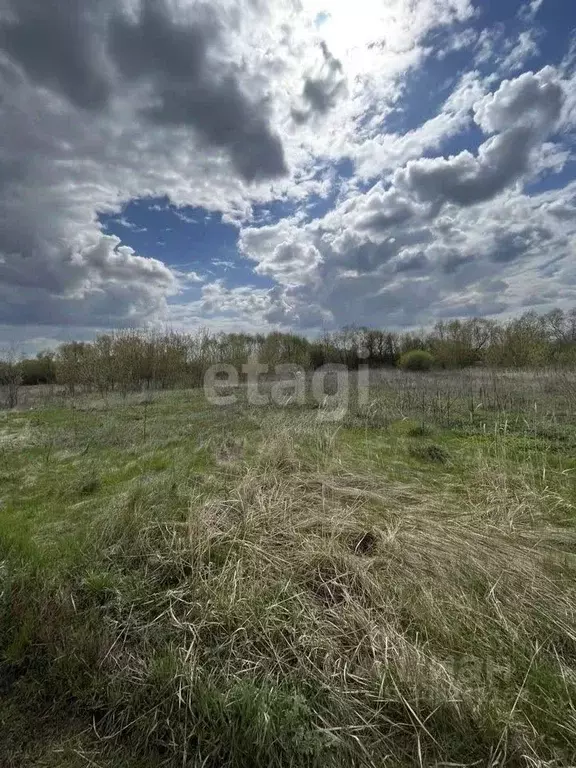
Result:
{"points": [[102, 101], [562, 211], [322, 90], [522, 113], [452, 261], [87, 50], [389, 253], [188, 91], [391, 224], [413, 263], [55, 265], [59, 45], [157, 45], [224, 118], [366, 256], [515, 243], [466, 180]]}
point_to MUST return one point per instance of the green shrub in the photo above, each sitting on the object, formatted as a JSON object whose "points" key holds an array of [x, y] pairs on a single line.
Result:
{"points": [[429, 452], [416, 360], [421, 430]]}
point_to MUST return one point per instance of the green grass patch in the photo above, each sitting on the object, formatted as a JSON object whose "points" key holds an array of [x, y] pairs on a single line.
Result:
{"points": [[187, 585]]}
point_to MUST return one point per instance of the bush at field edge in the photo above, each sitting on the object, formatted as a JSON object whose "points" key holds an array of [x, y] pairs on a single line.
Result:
{"points": [[416, 360]]}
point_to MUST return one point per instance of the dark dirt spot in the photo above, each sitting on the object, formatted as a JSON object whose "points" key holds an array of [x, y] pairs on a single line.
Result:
{"points": [[328, 586], [364, 543]]}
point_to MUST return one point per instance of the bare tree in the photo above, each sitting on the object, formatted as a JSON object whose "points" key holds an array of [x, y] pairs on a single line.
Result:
{"points": [[11, 378]]}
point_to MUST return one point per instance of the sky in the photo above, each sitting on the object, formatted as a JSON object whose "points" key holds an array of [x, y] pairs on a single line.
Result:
{"points": [[295, 165]]}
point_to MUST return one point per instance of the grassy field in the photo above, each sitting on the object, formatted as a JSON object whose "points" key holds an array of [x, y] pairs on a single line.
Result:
{"points": [[188, 585]]}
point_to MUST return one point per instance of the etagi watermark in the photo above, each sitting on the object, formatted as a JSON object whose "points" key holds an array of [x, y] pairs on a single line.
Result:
{"points": [[331, 387]]}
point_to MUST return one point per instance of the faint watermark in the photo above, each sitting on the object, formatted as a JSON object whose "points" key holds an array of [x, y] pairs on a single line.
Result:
{"points": [[331, 389]]}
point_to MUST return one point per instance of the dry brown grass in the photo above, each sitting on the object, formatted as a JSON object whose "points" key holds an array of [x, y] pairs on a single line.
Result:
{"points": [[296, 604]]}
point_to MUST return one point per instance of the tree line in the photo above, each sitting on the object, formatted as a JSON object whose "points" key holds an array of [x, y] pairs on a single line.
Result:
{"points": [[133, 360]]}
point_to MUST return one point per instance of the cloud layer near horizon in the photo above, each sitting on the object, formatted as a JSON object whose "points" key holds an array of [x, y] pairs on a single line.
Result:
{"points": [[232, 105]]}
